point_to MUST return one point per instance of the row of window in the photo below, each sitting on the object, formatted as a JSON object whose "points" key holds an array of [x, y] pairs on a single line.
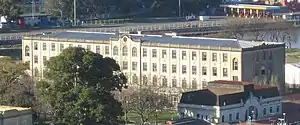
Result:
{"points": [[264, 113], [174, 68], [164, 82], [134, 52]]}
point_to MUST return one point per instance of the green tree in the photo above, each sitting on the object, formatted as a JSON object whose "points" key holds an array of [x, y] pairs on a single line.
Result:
{"points": [[10, 9], [16, 88], [79, 88]]}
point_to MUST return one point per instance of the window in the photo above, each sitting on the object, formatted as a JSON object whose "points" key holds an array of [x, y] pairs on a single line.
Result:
{"points": [[214, 71], [194, 55], [98, 49], [214, 56], [134, 52], [107, 50], [164, 67], [154, 81], [61, 47], [144, 66], [36, 59], [204, 71], [204, 56], [198, 116], [145, 80], [225, 57], [183, 69], [174, 82], [183, 55], [204, 83], [27, 50], [70, 45], [225, 72], [263, 70], [277, 109], [134, 79], [265, 111], [230, 117], [115, 51], [264, 55], [235, 78], [223, 118], [80, 46], [154, 67], [173, 54], [125, 65], [271, 110], [88, 47], [125, 51], [164, 82], [183, 83], [44, 46], [36, 72], [134, 65], [194, 70], [174, 68], [52, 46], [144, 52], [270, 56], [257, 57], [44, 59], [154, 53], [194, 84], [235, 64], [164, 54], [237, 117], [36, 45]]}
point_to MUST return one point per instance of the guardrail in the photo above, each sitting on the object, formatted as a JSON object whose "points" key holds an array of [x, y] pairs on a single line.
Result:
{"points": [[151, 27], [105, 22]]}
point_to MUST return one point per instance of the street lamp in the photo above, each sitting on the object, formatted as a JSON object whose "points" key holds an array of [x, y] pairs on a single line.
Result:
{"points": [[283, 117], [75, 13]]}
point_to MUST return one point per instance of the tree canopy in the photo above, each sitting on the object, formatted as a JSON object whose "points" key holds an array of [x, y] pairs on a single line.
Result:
{"points": [[79, 88], [95, 8], [10, 9]]}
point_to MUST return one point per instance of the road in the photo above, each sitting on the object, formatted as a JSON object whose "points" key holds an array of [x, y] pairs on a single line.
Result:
{"points": [[136, 27]]}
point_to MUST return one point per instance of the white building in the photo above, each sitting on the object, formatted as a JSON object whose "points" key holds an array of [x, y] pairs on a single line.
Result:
{"points": [[292, 76], [15, 116], [230, 102], [170, 63]]}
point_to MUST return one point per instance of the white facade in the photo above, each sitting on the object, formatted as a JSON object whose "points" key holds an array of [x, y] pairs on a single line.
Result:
{"points": [[173, 67], [263, 108], [292, 76]]}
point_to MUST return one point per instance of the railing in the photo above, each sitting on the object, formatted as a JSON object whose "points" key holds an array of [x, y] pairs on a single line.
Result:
{"points": [[105, 22], [151, 27]]}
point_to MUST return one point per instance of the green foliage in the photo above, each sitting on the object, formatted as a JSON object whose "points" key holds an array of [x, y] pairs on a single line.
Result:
{"points": [[16, 88], [94, 8], [10, 9], [79, 88]]}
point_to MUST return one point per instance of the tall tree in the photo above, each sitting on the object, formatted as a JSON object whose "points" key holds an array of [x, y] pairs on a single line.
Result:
{"points": [[79, 88], [10, 9], [145, 102], [16, 88]]}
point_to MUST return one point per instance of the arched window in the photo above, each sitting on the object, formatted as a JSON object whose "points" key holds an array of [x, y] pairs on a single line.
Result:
{"points": [[183, 84], [235, 64], [134, 52], [164, 82], [115, 51], [134, 79], [174, 82], [154, 81], [145, 80], [194, 84], [27, 50], [125, 51], [263, 70]]}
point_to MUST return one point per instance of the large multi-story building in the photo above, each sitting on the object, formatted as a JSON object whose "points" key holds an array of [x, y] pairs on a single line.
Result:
{"points": [[174, 62]]}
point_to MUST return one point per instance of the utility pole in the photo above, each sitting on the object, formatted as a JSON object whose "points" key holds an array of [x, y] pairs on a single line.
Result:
{"points": [[179, 8], [33, 8], [75, 14]]}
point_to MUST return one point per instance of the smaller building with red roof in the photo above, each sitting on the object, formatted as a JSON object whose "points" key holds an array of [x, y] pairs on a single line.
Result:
{"points": [[230, 102]]}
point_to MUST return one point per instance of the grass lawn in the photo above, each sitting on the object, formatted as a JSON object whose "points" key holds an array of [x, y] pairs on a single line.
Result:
{"points": [[292, 55], [161, 118]]}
